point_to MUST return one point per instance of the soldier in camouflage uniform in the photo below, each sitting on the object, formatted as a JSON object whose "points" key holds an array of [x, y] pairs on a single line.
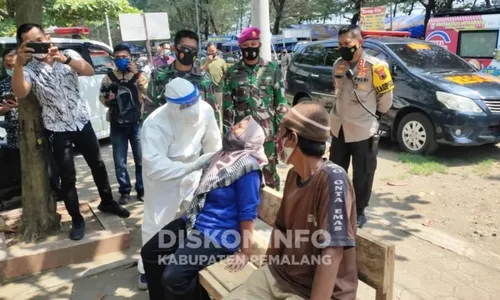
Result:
{"points": [[186, 48], [254, 87]]}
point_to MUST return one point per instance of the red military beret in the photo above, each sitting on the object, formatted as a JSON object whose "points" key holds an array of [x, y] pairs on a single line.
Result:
{"points": [[250, 33]]}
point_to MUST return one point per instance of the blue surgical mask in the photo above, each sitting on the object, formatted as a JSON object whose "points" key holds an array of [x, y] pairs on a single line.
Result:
{"points": [[122, 64], [9, 72]]}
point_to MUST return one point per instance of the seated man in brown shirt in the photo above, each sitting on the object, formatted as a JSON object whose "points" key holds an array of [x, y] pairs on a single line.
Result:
{"points": [[311, 254]]}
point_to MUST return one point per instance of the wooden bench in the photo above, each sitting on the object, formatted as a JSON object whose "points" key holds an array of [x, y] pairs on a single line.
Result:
{"points": [[375, 258]]}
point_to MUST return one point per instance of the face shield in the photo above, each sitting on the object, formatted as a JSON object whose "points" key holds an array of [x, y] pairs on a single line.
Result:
{"points": [[184, 107]]}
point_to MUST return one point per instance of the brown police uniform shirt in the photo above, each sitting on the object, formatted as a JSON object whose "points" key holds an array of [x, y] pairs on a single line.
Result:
{"points": [[374, 86], [324, 202]]}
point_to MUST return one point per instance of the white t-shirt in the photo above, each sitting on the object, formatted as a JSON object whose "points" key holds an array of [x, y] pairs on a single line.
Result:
{"points": [[57, 89]]}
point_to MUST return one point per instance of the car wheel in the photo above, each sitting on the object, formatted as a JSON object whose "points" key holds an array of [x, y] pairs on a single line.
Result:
{"points": [[416, 134], [302, 99]]}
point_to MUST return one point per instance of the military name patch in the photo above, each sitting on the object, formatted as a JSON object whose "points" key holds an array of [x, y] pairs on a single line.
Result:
{"points": [[360, 79]]}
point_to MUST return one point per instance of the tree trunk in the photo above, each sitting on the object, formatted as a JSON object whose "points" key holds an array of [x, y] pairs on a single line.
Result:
{"points": [[488, 3], [39, 207], [11, 8], [214, 25], [357, 13], [279, 6], [207, 29], [428, 12], [410, 10]]}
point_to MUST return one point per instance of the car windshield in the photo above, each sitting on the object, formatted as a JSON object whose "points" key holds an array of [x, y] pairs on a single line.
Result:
{"points": [[430, 58]]}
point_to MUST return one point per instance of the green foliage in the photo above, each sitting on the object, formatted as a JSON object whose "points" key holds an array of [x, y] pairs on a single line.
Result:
{"points": [[83, 12], [7, 27]]}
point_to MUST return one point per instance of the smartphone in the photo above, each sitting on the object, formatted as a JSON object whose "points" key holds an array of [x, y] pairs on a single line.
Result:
{"points": [[42, 48], [10, 97]]}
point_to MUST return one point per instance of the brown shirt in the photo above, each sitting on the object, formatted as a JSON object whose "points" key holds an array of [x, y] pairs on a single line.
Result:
{"points": [[324, 202], [373, 84]]}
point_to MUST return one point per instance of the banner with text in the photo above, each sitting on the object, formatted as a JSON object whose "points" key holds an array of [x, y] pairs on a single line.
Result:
{"points": [[372, 18]]}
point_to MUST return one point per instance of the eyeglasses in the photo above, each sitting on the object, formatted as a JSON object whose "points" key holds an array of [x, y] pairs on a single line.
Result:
{"points": [[186, 49], [252, 43]]}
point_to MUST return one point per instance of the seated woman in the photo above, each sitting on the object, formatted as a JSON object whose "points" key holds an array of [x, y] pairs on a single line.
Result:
{"points": [[223, 210]]}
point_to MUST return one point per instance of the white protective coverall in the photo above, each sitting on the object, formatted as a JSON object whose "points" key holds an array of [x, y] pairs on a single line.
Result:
{"points": [[172, 138]]}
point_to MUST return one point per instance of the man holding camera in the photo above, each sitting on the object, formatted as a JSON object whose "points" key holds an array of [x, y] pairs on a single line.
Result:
{"points": [[122, 91], [10, 179], [52, 76]]}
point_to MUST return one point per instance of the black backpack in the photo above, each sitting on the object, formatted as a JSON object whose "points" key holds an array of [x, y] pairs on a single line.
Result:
{"points": [[127, 108]]}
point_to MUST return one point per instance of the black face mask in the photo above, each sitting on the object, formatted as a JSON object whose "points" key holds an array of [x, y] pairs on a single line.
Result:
{"points": [[250, 53], [347, 53], [186, 58], [230, 142]]}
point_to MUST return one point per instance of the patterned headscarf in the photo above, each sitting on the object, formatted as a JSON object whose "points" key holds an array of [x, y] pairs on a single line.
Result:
{"points": [[238, 156]]}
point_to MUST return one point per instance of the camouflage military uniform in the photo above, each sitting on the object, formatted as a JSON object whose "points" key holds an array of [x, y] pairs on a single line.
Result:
{"points": [[257, 91], [162, 76]]}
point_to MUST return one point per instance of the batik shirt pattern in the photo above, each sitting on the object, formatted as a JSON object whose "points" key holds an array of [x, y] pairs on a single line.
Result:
{"points": [[57, 89]]}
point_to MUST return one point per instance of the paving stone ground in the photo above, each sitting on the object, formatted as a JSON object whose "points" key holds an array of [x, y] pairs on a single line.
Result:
{"points": [[422, 271], [426, 271]]}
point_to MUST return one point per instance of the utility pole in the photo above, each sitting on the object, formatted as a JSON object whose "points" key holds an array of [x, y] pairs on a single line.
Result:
{"points": [[198, 23], [110, 41], [148, 43], [260, 18]]}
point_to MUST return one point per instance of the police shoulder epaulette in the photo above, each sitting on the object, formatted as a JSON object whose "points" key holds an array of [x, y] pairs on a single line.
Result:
{"points": [[337, 61], [373, 60]]}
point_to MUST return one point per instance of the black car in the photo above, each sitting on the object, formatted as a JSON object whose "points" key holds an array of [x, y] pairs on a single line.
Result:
{"points": [[438, 98]]}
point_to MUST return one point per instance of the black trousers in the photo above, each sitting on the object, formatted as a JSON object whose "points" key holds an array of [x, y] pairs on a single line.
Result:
{"points": [[10, 160], [177, 279], [85, 142], [10, 176], [364, 163]]}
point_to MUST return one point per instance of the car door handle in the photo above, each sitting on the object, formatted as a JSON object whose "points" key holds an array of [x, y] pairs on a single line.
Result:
{"points": [[314, 75]]}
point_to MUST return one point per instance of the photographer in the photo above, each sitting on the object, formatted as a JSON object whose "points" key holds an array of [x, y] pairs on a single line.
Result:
{"points": [[53, 78], [8, 104], [122, 91], [11, 160]]}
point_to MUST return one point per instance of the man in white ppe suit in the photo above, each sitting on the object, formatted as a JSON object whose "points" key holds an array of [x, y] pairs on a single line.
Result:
{"points": [[172, 138]]}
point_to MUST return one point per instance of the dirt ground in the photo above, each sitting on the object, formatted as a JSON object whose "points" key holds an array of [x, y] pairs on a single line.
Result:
{"points": [[456, 191]]}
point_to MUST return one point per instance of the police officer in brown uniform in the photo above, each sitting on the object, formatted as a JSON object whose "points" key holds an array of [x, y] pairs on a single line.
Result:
{"points": [[358, 77]]}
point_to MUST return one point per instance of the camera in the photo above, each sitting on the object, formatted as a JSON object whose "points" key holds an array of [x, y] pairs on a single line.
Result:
{"points": [[112, 88]]}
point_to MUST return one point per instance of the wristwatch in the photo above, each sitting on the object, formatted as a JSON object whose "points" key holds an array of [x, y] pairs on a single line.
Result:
{"points": [[68, 60]]}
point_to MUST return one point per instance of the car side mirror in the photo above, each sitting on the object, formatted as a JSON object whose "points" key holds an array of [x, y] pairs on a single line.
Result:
{"points": [[393, 68], [473, 66]]}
